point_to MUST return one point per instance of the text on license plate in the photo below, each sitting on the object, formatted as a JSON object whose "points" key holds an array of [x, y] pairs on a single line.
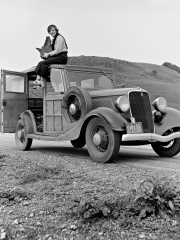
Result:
{"points": [[134, 128]]}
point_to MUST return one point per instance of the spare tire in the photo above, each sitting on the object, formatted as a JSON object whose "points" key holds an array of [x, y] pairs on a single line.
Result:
{"points": [[77, 103]]}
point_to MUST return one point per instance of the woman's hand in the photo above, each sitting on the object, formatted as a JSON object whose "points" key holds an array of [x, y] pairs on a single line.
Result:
{"points": [[45, 55]]}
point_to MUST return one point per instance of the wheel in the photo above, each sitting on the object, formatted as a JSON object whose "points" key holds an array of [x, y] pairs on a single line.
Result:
{"points": [[78, 143], [23, 143], [102, 142], [76, 104], [167, 149]]}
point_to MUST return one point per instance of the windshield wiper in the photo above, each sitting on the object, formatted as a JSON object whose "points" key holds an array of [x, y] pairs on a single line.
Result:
{"points": [[106, 75]]}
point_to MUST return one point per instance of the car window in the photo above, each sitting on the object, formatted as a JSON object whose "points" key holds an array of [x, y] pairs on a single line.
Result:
{"points": [[89, 80], [87, 83], [105, 82], [14, 83], [56, 83]]}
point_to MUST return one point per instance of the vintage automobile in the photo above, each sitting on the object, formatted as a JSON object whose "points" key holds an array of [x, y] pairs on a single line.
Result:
{"points": [[83, 105]]}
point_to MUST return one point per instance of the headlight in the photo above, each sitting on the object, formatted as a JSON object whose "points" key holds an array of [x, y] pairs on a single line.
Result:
{"points": [[122, 103], [160, 104]]}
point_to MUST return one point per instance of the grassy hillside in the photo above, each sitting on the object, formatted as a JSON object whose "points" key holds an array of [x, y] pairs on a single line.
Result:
{"points": [[157, 80]]}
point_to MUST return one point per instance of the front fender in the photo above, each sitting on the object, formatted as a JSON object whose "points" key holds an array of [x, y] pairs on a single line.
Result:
{"points": [[113, 118], [171, 119]]}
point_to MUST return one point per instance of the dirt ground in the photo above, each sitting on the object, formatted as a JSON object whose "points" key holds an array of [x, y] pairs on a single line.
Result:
{"points": [[38, 190]]}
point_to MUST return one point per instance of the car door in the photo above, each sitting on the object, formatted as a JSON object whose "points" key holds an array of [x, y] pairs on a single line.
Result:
{"points": [[54, 122], [13, 99]]}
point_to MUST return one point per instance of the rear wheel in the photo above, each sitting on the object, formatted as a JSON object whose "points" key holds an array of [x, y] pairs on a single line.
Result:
{"points": [[167, 149], [22, 141], [102, 142]]}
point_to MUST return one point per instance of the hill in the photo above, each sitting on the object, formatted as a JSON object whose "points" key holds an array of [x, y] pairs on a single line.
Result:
{"points": [[156, 79]]}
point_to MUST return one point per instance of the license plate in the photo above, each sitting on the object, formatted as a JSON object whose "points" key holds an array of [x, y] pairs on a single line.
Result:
{"points": [[134, 128]]}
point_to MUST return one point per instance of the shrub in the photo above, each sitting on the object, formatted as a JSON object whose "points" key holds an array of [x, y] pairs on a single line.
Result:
{"points": [[99, 207], [154, 72], [171, 66], [158, 196]]}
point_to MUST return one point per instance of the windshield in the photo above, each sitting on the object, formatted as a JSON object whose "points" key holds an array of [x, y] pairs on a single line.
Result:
{"points": [[90, 80]]}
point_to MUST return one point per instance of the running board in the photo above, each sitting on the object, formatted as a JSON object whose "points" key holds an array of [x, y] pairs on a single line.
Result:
{"points": [[44, 137]]}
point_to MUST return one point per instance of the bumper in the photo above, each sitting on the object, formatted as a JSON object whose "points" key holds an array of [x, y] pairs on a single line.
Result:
{"points": [[151, 137]]}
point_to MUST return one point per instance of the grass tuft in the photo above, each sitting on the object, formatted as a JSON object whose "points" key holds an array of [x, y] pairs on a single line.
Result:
{"points": [[2, 156], [14, 196], [41, 173]]}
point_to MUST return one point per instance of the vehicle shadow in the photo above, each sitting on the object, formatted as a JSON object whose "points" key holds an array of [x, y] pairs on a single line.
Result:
{"points": [[62, 150], [125, 155]]}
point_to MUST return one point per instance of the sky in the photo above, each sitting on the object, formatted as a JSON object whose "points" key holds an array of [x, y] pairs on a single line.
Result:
{"points": [[132, 30]]}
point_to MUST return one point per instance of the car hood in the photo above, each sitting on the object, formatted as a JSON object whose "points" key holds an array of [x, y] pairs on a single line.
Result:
{"points": [[114, 92]]}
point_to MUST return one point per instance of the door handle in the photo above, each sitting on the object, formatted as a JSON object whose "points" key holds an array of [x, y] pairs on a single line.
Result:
{"points": [[4, 103]]}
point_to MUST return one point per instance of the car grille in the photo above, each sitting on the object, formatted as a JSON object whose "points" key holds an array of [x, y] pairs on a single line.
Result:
{"points": [[141, 110]]}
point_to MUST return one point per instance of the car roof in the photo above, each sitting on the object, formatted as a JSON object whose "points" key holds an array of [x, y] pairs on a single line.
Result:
{"points": [[73, 67]]}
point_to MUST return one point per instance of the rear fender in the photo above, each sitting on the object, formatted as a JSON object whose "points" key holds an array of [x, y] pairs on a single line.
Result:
{"points": [[29, 121], [171, 119], [114, 119]]}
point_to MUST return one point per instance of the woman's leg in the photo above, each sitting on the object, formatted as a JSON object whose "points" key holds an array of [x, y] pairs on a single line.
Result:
{"points": [[42, 67]]}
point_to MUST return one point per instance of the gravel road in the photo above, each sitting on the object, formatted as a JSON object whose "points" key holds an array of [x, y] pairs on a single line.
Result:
{"points": [[140, 156], [37, 188]]}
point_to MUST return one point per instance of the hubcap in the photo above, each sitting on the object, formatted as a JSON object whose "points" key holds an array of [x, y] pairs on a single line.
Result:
{"points": [[97, 139], [19, 134], [100, 138], [72, 109]]}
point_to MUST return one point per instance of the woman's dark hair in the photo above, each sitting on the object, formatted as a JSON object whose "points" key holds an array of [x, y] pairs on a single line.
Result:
{"points": [[52, 26], [57, 33]]}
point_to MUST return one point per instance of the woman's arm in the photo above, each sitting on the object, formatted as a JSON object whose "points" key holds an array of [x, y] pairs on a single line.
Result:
{"points": [[58, 46]]}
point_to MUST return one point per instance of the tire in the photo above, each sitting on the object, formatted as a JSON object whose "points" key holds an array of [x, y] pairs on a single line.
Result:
{"points": [[23, 143], [167, 149], [76, 104], [102, 142], [78, 143]]}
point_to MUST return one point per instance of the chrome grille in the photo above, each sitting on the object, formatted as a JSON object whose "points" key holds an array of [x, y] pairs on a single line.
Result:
{"points": [[141, 110]]}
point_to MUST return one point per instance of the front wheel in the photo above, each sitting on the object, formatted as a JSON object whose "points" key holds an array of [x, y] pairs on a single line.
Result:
{"points": [[167, 149], [22, 141], [102, 142]]}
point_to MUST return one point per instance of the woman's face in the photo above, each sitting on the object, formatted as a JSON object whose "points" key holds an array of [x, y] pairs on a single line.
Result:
{"points": [[52, 31]]}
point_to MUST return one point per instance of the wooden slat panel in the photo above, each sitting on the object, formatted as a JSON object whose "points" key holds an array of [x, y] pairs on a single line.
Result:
{"points": [[57, 124], [57, 107], [49, 107], [53, 115], [49, 124]]}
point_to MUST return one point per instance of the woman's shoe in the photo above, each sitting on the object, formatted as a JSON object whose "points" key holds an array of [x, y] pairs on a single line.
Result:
{"points": [[37, 81], [41, 83], [36, 87]]}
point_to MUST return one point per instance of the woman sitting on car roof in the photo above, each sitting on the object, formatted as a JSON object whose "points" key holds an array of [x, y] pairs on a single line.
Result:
{"points": [[58, 55]]}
